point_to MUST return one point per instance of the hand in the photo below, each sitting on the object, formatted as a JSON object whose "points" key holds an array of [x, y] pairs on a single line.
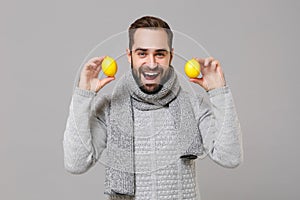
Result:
{"points": [[212, 75], [89, 75]]}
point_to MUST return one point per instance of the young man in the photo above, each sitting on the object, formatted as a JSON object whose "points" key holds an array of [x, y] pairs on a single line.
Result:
{"points": [[149, 131]]}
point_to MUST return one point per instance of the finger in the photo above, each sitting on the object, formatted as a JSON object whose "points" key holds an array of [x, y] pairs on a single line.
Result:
{"points": [[208, 61], [214, 64], [196, 80], [90, 65], [93, 60], [95, 63], [97, 60], [200, 81], [105, 81], [221, 74], [200, 60], [100, 59], [98, 69]]}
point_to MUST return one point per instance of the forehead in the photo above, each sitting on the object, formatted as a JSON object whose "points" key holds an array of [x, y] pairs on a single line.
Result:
{"points": [[150, 38]]}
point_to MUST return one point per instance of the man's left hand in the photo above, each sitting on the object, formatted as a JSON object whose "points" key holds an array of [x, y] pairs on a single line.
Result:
{"points": [[212, 74]]}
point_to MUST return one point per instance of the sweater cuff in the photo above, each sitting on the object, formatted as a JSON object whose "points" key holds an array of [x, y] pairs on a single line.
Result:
{"points": [[217, 91], [84, 93]]}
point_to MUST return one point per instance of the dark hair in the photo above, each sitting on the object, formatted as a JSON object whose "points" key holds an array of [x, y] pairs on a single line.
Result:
{"points": [[151, 23]]}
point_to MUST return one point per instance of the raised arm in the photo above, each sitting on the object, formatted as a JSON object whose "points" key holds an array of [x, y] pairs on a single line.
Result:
{"points": [[85, 133], [220, 128], [218, 121]]}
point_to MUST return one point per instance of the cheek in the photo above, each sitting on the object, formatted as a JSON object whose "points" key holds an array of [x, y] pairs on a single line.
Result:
{"points": [[165, 64], [136, 67], [137, 62]]}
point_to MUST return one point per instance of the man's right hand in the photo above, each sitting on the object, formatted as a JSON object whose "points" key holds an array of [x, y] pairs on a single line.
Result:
{"points": [[89, 75]]}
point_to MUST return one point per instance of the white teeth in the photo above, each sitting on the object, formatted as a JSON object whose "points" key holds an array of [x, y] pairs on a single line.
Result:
{"points": [[151, 74]]}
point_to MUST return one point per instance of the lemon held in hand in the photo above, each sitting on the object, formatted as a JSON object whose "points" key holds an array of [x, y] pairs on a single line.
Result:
{"points": [[192, 68], [109, 66]]}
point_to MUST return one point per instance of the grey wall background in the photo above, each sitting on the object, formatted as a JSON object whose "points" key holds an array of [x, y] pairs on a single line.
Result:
{"points": [[44, 42]]}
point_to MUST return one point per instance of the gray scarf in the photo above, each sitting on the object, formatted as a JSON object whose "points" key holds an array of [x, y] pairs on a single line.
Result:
{"points": [[119, 169]]}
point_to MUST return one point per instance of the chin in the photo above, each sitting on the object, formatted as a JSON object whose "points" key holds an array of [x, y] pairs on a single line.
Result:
{"points": [[156, 89]]}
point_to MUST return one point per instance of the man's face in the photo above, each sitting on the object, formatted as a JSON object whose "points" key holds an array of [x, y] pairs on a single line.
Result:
{"points": [[150, 58]]}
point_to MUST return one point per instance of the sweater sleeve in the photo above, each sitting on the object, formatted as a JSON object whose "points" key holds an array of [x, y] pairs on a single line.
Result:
{"points": [[220, 128], [85, 133]]}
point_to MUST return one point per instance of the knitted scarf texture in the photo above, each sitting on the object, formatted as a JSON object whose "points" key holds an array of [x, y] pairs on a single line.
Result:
{"points": [[119, 154]]}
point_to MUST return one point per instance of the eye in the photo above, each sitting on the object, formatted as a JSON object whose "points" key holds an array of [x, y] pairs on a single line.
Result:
{"points": [[141, 54], [160, 55]]}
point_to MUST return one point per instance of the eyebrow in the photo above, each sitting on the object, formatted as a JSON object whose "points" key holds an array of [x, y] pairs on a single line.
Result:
{"points": [[156, 50]]}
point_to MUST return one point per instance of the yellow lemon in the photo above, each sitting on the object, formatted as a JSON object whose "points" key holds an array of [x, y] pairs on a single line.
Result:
{"points": [[109, 66], [192, 68]]}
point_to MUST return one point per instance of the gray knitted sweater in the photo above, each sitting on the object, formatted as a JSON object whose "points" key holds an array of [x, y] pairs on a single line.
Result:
{"points": [[159, 175]]}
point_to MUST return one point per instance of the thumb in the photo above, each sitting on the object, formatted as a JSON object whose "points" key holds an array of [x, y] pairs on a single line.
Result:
{"points": [[200, 81], [103, 82]]}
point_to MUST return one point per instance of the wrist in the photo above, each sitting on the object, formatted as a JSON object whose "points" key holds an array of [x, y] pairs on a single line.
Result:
{"points": [[84, 92], [84, 86], [216, 91]]}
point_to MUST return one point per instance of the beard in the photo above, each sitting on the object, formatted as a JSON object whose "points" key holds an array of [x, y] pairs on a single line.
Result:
{"points": [[150, 88]]}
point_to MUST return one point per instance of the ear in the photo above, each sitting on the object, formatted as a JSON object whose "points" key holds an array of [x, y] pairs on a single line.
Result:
{"points": [[128, 55]]}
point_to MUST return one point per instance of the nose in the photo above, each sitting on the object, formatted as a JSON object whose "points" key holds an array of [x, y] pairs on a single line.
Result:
{"points": [[152, 62]]}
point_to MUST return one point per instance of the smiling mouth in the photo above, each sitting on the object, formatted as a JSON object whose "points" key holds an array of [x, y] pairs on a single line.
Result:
{"points": [[150, 75]]}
